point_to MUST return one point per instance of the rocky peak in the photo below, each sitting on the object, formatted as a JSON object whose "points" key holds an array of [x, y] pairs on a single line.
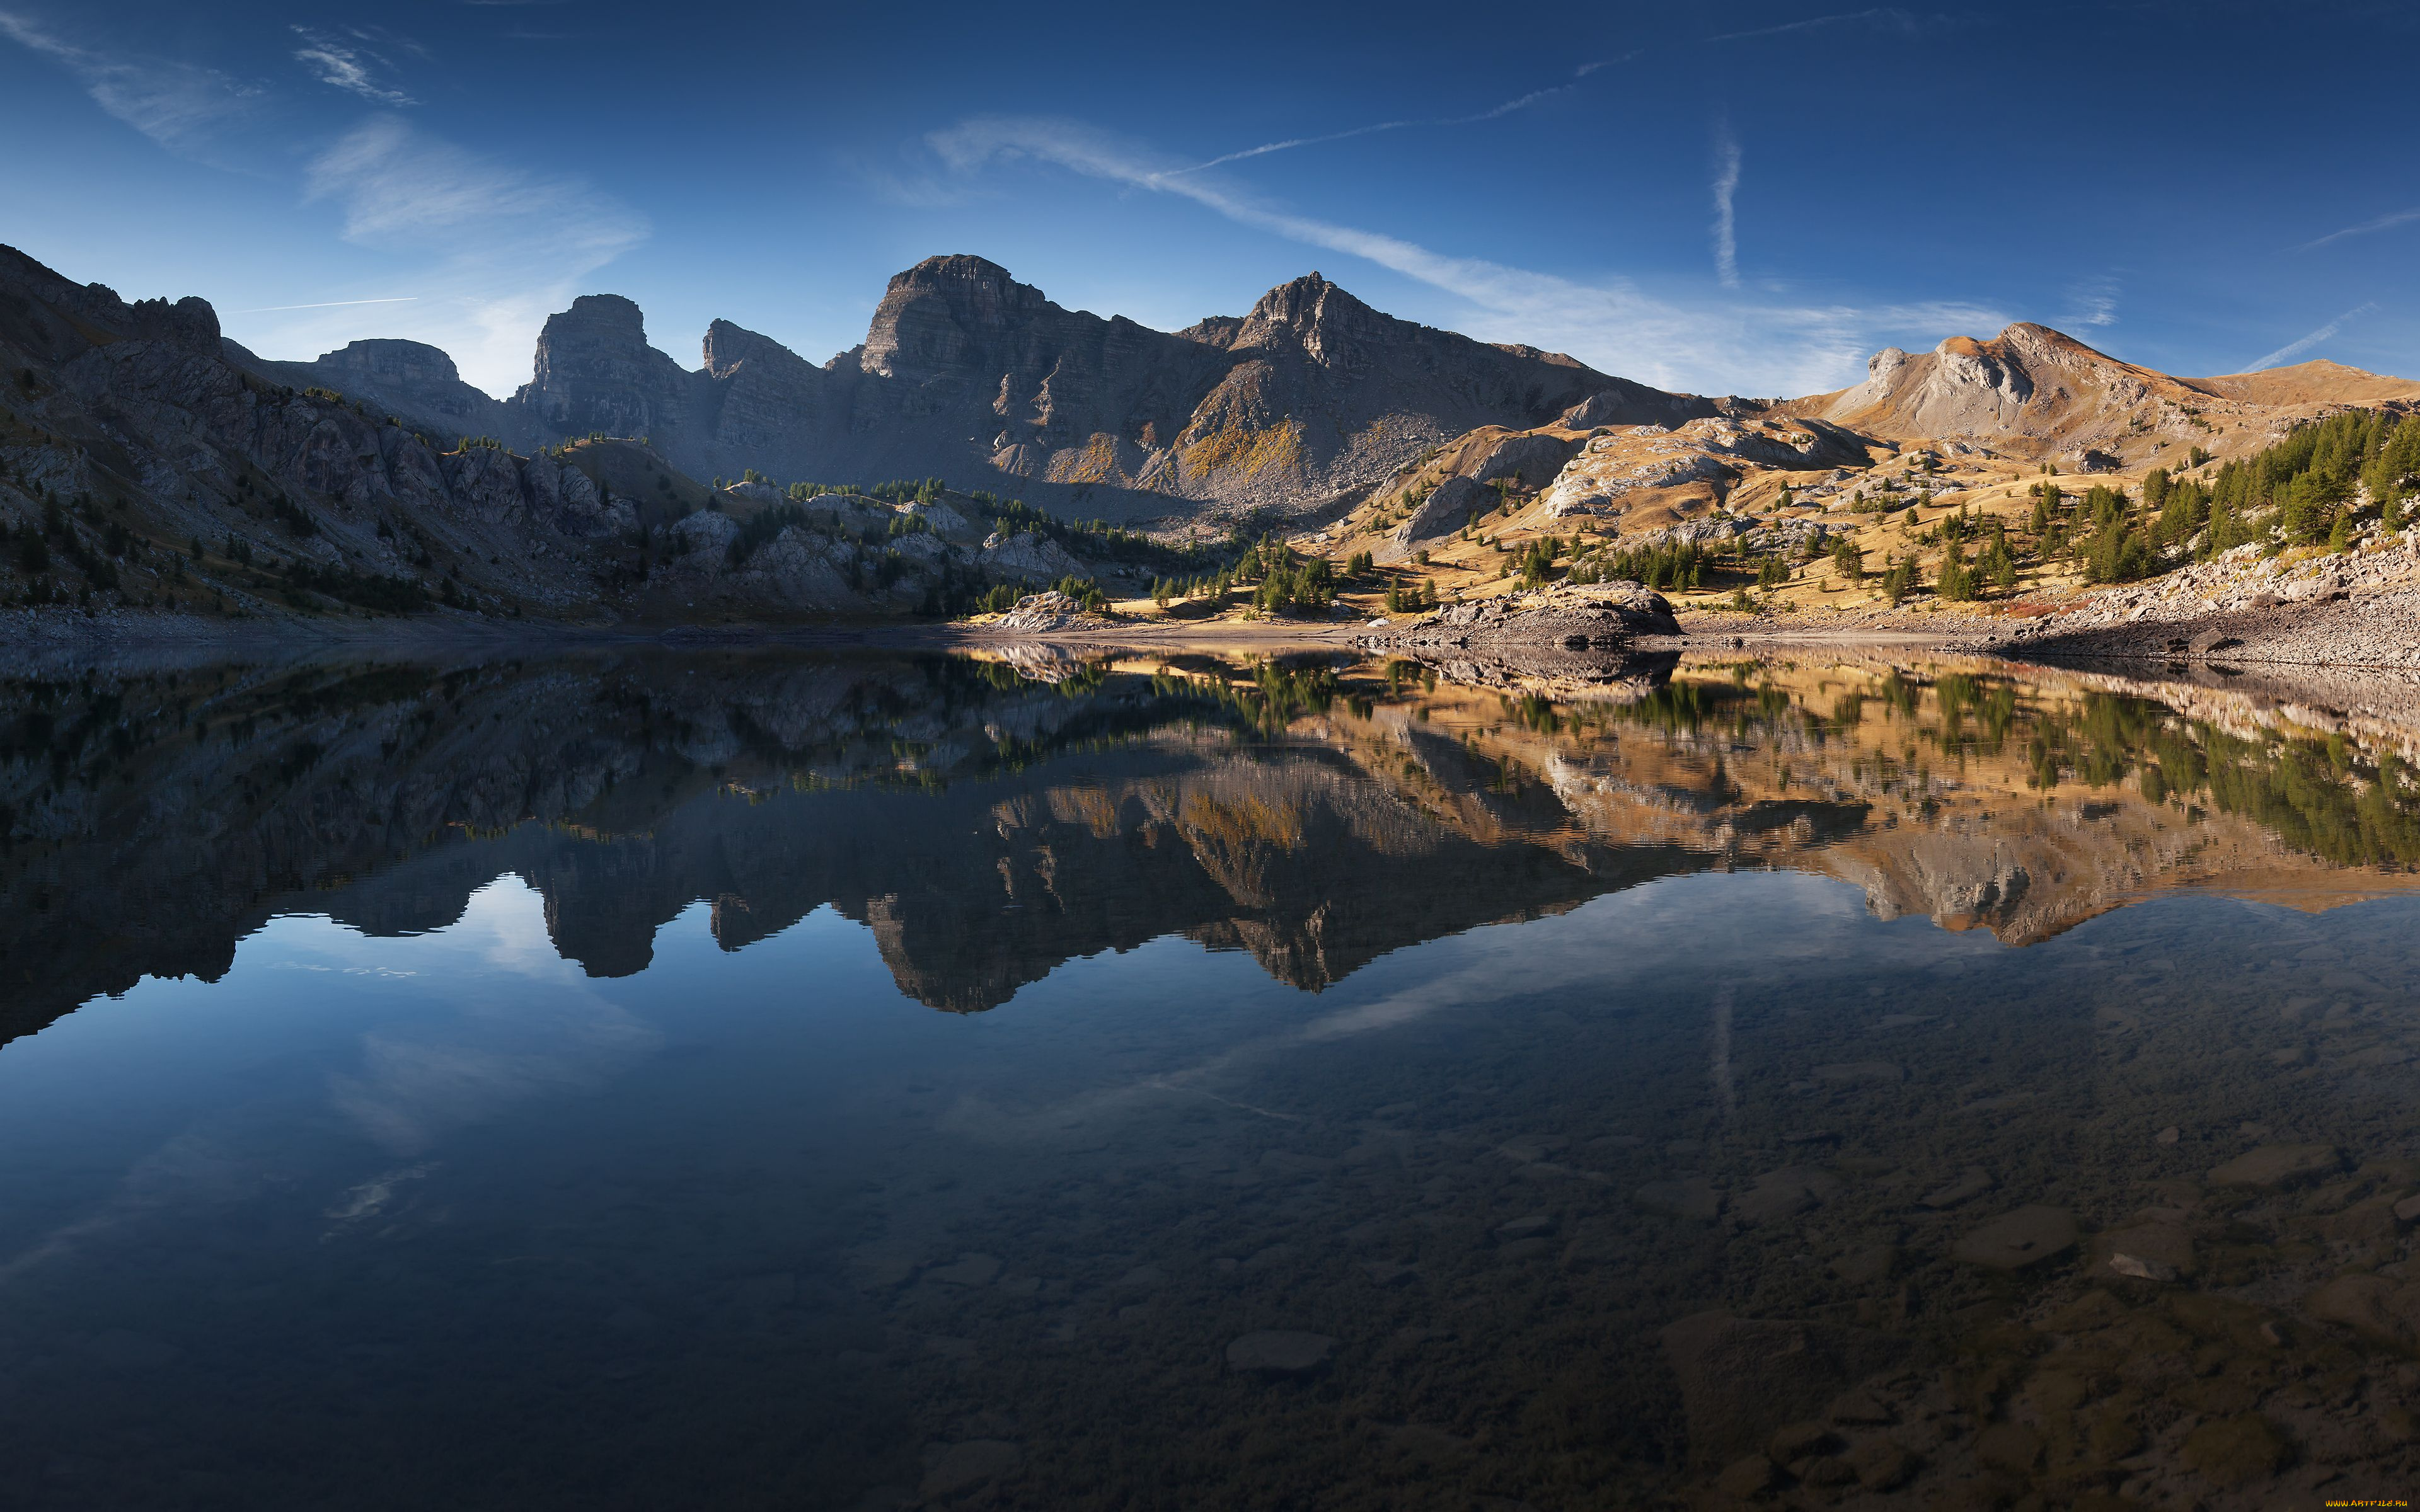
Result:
{"points": [[412, 363], [601, 332], [1329, 326], [595, 371], [190, 323], [1299, 302], [1966, 364], [727, 346], [950, 315]]}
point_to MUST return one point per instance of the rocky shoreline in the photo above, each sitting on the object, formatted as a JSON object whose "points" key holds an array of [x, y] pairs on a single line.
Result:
{"points": [[2357, 613], [2350, 611]]}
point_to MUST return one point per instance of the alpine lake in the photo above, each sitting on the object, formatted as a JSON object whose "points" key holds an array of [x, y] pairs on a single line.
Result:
{"points": [[863, 1080]]}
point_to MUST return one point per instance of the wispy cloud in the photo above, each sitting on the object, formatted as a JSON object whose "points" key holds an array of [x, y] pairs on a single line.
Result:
{"points": [[2295, 348], [1610, 324], [345, 64], [1881, 18], [1727, 177], [915, 191], [2095, 303], [493, 248], [396, 183], [178, 105], [2382, 223]]}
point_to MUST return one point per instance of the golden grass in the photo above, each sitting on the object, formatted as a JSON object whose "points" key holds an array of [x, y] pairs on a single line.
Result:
{"points": [[1251, 453]]}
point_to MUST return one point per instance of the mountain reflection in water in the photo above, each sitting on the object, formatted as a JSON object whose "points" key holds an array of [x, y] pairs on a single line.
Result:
{"points": [[1812, 1082], [990, 826]]}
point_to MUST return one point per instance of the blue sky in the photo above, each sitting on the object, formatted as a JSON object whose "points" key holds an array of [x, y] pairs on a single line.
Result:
{"points": [[1743, 199]]}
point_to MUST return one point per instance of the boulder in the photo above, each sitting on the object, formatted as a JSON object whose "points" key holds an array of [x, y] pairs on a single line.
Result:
{"points": [[1574, 616]]}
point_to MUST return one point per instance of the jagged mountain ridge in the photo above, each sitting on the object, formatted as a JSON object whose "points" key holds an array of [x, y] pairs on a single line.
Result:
{"points": [[968, 375], [1310, 398]]}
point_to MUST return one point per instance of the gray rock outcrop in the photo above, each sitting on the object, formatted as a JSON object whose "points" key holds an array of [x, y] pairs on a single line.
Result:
{"points": [[1570, 616], [1453, 505], [1528, 461]]}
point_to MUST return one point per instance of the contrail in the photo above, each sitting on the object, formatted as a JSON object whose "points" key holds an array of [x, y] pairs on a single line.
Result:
{"points": [[1493, 113], [1293, 142], [1889, 17], [327, 304], [2382, 223], [2296, 349]]}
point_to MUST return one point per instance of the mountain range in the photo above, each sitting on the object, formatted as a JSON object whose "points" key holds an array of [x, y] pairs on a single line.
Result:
{"points": [[161, 466], [969, 376]]}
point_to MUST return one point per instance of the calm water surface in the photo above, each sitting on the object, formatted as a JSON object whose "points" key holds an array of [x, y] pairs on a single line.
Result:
{"points": [[870, 1083]]}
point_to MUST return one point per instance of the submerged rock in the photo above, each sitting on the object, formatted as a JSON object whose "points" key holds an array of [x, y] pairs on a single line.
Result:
{"points": [[1279, 1352], [2149, 1252], [952, 1468], [1690, 1196], [2371, 1305], [2272, 1167], [1859, 1071], [1785, 1193], [2235, 1450], [969, 1270], [1973, 1183], [1745, 1380], [2013, 1240]]}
